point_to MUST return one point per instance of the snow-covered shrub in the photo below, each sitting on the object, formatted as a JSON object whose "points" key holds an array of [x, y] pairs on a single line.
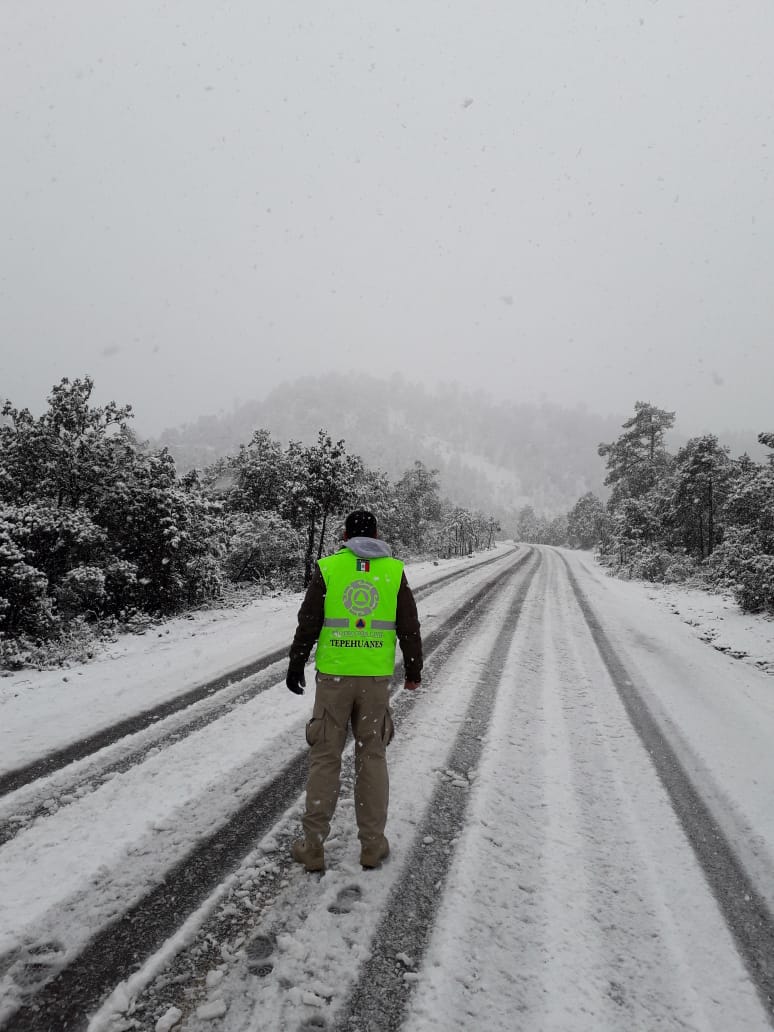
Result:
{"points": [[40, 546], [13, 653], [745, 558], [81, 590], [755, 588], [678, 567], [740, 564], [588, 523], [659, 565], [163, 533], [263, 547], [53, 540], [121, 588], [205, 578], [76, 641], [648, 564], [24, 602]]}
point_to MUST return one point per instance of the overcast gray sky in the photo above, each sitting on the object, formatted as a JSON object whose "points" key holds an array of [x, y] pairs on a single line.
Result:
{"points": [[566, 200]]}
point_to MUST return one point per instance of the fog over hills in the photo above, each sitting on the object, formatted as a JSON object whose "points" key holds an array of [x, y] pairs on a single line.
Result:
{"points": [[489, 454]]}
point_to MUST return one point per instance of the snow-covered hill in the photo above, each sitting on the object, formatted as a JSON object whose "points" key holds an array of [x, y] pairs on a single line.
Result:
{"points": [[488, 453]]}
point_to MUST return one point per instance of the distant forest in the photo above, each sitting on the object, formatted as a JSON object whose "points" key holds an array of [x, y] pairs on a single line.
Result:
{"points": [[100, 530], [495, 455], [697, 513]]}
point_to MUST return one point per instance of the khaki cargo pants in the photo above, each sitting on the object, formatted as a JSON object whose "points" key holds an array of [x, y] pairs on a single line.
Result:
{"points": [[339, 701]]}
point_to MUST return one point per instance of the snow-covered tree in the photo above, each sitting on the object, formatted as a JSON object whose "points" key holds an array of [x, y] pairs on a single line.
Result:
{"points": [[260, 472], [320, 483], [699, 485], [95, 525], [531, 527], [375, 491], [164, 533], [102, 526], [25, 606], [55, 540], [745, 558], [419, 505], [638, 457], [588, 523], [69, 455]]}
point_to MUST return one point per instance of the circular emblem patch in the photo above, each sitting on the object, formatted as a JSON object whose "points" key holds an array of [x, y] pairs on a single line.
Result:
{"points": [[361, 598]]}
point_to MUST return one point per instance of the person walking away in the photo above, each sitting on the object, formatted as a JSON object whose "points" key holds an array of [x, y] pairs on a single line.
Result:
{"points": [[357, 607]]}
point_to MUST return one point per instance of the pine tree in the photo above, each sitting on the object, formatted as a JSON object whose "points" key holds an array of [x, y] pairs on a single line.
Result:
{"points": [[768, 440], [321, 482], [638, 458], [103, 525], [260, 475], [700, 482], [745, 558], [70, 455], [419, 503]]}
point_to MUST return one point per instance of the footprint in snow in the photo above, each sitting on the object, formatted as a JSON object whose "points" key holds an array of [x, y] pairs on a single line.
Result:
{"points": [[258, 951], [345, 900], [37, 963], [313, 1024]]}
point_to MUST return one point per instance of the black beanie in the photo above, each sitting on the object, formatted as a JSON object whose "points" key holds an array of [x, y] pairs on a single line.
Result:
{"points": [[360, 523]]}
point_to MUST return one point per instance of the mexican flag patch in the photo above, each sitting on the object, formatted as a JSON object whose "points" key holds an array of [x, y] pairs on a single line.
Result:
{"points": [[363, 565]]}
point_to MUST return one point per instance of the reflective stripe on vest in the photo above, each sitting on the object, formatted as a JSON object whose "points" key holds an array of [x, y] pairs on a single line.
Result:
{"points": [[358, 633], [376, 625]]}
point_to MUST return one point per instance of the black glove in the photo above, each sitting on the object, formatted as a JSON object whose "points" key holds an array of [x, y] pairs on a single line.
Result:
{"points": [[296, 681]]}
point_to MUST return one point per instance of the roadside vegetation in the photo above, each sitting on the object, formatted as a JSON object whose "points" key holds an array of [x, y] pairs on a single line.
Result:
{"points": [[696, 515], [99, 533]]}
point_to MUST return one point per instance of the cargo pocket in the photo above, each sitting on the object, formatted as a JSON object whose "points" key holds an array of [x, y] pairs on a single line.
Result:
{"points": [[388, 728], [315, 728]]}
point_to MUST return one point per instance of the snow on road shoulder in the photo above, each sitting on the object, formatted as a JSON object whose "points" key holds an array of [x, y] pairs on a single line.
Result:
{"points": [[713, 617], [716, 710], [717, 620]]}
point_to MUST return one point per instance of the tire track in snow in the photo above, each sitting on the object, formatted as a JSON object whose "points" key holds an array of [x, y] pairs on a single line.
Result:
{"points": [[41, 800], [77, 988], [12, 780], [573, 900], [634, 929], [745, 910], [254, 908], [83, 781], [381, 993]]}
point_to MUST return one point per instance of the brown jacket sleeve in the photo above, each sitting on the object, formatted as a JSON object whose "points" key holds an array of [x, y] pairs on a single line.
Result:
{"points": [[310, 621], [407, 626]]}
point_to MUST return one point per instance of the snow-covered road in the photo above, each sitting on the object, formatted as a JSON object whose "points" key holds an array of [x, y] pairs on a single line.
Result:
{"points": [[581, 822]]}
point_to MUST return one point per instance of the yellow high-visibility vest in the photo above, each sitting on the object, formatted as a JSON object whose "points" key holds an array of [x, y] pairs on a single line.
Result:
{"points": [[361, 597]]}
